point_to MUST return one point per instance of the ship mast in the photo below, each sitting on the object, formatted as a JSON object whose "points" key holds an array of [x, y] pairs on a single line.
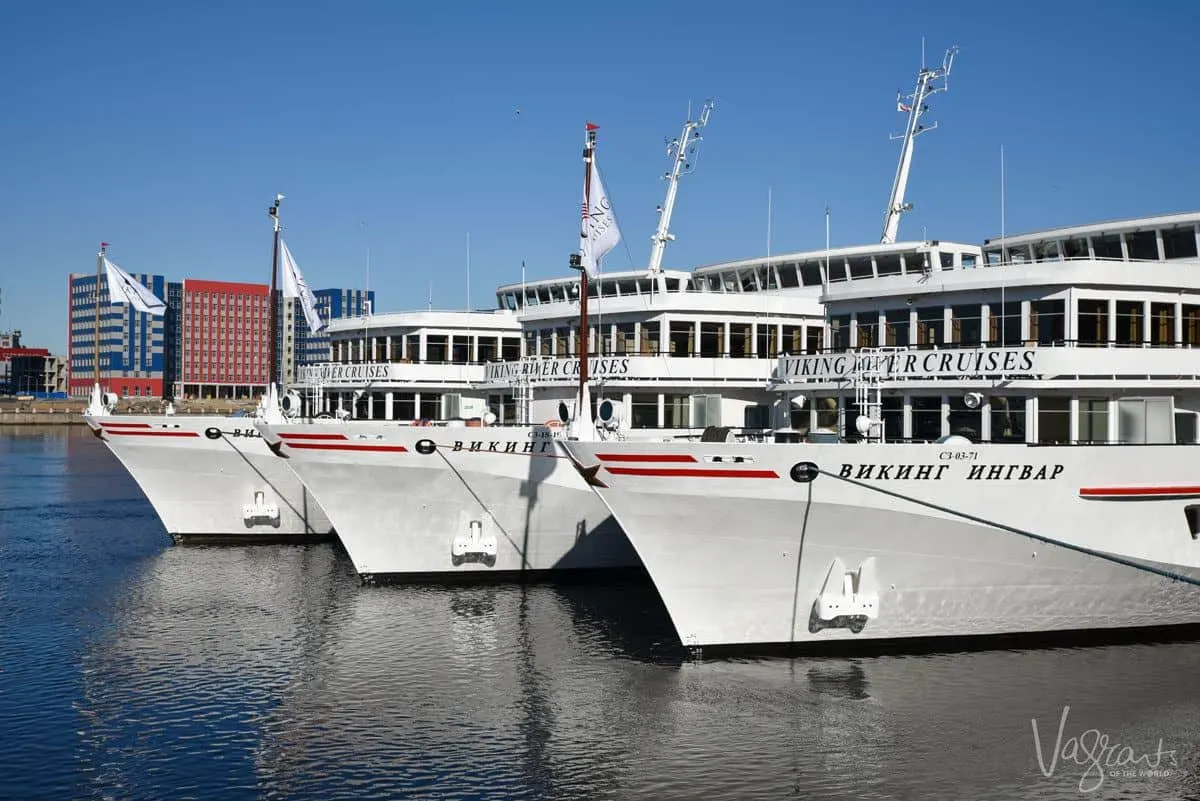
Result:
{"points": [[680, 151], [584, 258], [273, 369], [929, 82], [99, 267]]}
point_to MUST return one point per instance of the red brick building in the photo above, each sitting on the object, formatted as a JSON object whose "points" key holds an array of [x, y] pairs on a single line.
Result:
{"points": [[225, 339]]}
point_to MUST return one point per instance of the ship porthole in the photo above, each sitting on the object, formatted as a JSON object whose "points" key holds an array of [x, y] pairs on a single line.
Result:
{"points": [[425, 447], [804, 472]]}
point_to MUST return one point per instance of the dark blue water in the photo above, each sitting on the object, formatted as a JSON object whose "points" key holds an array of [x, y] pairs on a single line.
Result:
{"points": [[132, 669]]}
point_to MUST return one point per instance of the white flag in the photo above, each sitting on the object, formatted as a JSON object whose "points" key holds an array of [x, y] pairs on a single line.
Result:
{"points": [[294, 286], [122, 288], [599, 232]]}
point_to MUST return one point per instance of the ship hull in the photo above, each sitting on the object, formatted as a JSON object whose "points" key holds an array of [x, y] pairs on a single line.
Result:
{"points": [[212, 479], [414, 503], [744, 555]]}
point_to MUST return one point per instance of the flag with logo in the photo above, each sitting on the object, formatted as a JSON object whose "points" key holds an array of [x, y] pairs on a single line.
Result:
{"points": [[599, 233], [294, 286], [124, 288]]}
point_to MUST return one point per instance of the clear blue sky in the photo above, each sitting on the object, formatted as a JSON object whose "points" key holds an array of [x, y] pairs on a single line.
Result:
{"points": [[166, 128]]}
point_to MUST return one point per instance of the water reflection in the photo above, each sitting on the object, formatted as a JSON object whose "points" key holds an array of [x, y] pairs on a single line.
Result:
{"points": [[133, 669]]}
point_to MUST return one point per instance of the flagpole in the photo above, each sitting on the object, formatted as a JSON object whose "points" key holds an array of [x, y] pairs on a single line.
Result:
{"points": [[99, 267], [588, 151], [273, 367]]}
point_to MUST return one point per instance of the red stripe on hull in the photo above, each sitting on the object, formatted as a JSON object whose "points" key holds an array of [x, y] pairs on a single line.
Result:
{"points": [[1137, 492], [648, 457], [348, 446], [312, 436], [141, 433], [684, 472]]}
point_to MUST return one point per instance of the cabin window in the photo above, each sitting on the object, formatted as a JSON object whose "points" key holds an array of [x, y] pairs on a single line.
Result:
{"points": [[530, 337], [926, 417], [712, 340], [839, 331], [1185, 429], [643, 411], [504, 407], [543, 294], [1107, 247], [1129, 322], [561, 338], [930, 322], [1179, 243], [683, 338], [947, 260], [892, 412], [672, 284], [1008, 418], [380, 349], [746, 280], [510, 348], [650, 340], [1046, 251], [992, 257], [793, 339], [676, 411], [576, 345], [860, 267], [868, 331], [828, 416], [887, 264], [756, 417], [965, 422], [595, 288], [1162, 323], [487, 349], [1093, 322], [1047, 322], [814, 339], [1191, 325], [1142, 245], [810, 273], [431, 406], [768, 343], [460, 349], [741, 340], [715, 284], [966, 324], [1093, 420], [645, 286], [436, 348], [546, 342], [1054, 420], [766, 277], [789, 276], [626, 338], [895, 328], [837, 270], [968, 261], [1004, 323], [1145, 421]]}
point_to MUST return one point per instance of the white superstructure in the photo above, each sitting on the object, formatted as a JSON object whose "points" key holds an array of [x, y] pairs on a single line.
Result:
{"points": [[996, 445]]}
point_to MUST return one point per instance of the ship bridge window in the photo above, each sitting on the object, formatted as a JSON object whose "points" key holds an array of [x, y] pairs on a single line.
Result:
{"points": [[1142, 245], [1107, 247], [627, 287], [1075, 249], [672, 284], [766, 277], [837, 270], [1047, 251], [888, 264], [543, 294], [714, 282], [947, 260], [595, 288], [992, 256], [746, 280], [645, 286], [810, 273], [789, 277], [860, 267], [1179, 243]]}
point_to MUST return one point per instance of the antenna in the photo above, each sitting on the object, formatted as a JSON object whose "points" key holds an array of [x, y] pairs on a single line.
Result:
{"points": [[1003, 256], [468, 270], [682, 153], [768, 225], [929, 82], [430, 301]]}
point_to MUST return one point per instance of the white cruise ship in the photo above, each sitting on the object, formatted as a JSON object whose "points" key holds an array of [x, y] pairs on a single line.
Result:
{"points": [[998, 441]]}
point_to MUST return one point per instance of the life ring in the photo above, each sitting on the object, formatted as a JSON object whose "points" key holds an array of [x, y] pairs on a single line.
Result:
{"points": [[553, 424]]}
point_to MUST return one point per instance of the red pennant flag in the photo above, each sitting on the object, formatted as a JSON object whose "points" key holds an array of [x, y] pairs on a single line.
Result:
{"points": [[103, 244], [591, 126]]}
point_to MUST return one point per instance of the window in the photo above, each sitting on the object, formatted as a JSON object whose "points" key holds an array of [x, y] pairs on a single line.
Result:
{"points": [[965, 422], [676, 411], [1179, 243], [488, 349], [756, 417], [839, 331], [929, 325], [1107, 247], [650, 340], [626, 339], [643, 411], [768, 344], [793, 339], [712, 340], [460, 349], [1054, 420], [868, 331], [966, 324], [828, 417], [1004, 323], [1047, 321], [1162, 323], [927, 418], [1129, 322], [683, 338], [1008, 418], [1142, 245], [741, 340], [1093, 420], [431, 406], [1093, 322], [814, 339]]}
